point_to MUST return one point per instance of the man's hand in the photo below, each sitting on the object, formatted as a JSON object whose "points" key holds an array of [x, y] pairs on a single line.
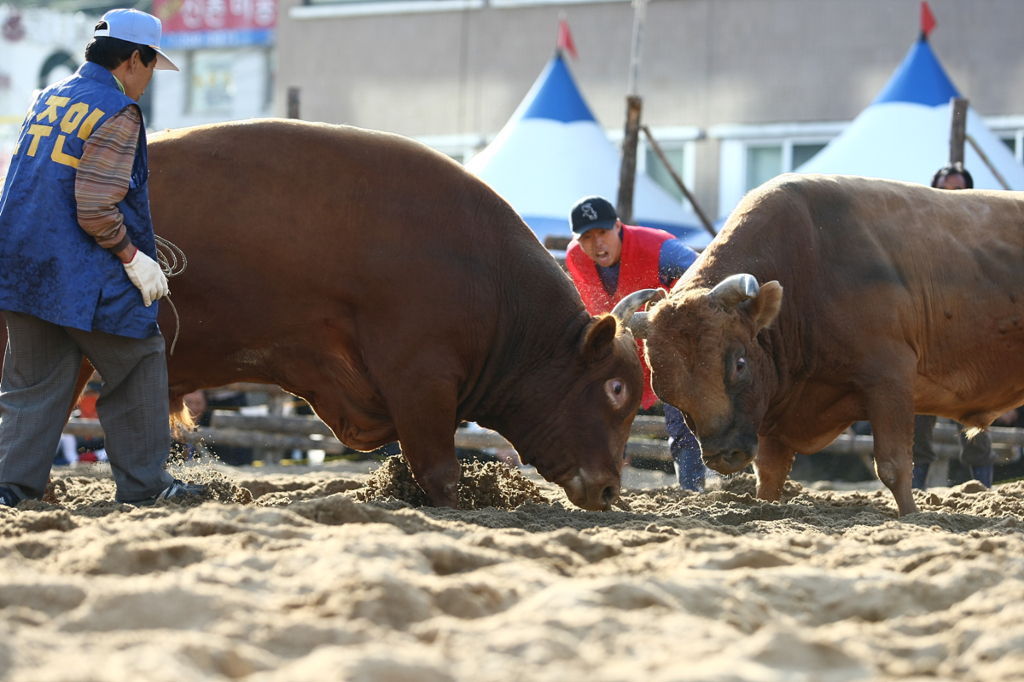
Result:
{"points": [[145, 273]]}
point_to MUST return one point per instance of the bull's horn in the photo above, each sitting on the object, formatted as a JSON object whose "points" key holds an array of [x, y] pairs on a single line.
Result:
{"points": [[626, 310], [638, 324], [734, 290]]}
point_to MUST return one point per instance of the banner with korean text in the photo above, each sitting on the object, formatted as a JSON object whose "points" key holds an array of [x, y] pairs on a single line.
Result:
{"points": [[197, 24]]}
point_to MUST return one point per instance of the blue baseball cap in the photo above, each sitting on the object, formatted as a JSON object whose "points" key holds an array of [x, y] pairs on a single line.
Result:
{"points": [[136, 27], [592, 213]]}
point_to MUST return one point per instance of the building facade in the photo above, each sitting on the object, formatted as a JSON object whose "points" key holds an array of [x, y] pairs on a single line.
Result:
{"points": [[38, 47], [225, 50], [736, 91]]}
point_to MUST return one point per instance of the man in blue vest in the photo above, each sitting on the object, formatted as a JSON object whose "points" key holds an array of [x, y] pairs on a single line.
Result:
{"points": [[78, 272]]}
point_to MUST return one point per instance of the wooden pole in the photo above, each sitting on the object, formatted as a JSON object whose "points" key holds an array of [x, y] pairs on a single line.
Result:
{"points": [[636, 48], [984, 158], [627, 172], [679, 182], [957, 129], [634, 105]]}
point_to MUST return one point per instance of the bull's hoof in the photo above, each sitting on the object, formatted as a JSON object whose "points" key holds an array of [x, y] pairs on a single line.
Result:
{"points": [[729, 462], [907, 508]]}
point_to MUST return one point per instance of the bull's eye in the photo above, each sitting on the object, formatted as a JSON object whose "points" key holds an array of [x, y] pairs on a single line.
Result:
{"points": [[616, 391], [741, 364]]}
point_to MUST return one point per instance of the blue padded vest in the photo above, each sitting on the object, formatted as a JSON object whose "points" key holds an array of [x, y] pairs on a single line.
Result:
{"points": [[49, 266]]}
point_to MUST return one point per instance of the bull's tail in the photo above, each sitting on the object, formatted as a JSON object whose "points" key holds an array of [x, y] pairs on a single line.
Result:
{"points": [[181, 418], [973, 431]]}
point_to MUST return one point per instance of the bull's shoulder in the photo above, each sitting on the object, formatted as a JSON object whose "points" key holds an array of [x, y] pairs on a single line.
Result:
{"points": [[272, 135]]}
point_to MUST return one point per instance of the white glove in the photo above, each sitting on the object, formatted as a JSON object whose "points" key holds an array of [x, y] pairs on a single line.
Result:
{"points": [[145, 273]]}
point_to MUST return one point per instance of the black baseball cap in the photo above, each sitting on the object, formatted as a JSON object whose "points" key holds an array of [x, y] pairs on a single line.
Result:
{"points": [[592, 213]]}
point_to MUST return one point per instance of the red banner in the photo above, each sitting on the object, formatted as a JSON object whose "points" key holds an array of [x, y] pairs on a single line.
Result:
{"points": [[181, 16]]}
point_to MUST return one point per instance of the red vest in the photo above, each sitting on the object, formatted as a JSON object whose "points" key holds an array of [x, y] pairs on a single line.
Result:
{"points": [[638, 269]]}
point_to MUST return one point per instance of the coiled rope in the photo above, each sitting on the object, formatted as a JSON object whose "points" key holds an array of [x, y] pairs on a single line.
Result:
{"points": [[172, 263]]}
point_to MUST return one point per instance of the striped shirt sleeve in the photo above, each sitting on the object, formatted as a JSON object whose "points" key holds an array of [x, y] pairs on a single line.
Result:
{"points": [[104, 172]]}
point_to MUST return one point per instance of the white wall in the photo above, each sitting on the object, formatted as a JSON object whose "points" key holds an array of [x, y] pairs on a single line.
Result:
{"points": [[46, 32], [249, 100]]}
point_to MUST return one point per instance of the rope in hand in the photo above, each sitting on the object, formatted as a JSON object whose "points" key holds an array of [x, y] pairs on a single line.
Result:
{"points": [[172, 263]]}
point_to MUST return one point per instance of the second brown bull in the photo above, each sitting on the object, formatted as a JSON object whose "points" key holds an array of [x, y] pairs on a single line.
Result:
{"points": [[831, 299]]}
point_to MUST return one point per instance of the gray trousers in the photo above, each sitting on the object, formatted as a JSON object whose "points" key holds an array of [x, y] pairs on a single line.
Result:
{"points": [[41, 366], [973, 453]]}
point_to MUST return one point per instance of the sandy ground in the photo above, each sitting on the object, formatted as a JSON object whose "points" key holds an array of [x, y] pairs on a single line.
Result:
{"points": [[290, 577]]}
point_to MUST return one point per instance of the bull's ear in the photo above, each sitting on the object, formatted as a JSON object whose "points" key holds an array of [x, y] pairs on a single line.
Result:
{"points": [[598, 338], [764, 308]]}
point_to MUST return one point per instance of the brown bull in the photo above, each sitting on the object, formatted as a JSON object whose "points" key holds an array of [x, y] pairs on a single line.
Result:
{"points": [[395, 292], [830, 299]]}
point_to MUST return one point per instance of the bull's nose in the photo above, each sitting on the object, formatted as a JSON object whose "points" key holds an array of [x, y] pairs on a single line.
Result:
{"points": [[592, 492], [609, 495], [729, 461]]}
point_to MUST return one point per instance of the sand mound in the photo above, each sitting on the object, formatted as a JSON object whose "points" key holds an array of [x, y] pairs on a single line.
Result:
{"points": [[306, 581], [481, 485]]}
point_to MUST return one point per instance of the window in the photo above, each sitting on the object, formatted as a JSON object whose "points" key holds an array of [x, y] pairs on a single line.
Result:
{"points": [[1015, 142], [802, 153], [268, 84], [764, 162], [660, 174], [1010, 129], [677, 143], [751, 155], [680, 154], [211, 82]]}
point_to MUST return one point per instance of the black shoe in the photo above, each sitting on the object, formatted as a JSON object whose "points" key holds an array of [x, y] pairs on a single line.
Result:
{"points": [[176, 492], [8, 498]]}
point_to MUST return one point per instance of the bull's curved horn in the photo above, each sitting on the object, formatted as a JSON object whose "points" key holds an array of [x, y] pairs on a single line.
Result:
{"points": [[638, 324], [626, 310], [734, 290]]}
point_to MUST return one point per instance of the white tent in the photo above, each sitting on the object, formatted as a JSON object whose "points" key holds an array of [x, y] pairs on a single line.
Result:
{"points": [[552, 152], [904, 133]]}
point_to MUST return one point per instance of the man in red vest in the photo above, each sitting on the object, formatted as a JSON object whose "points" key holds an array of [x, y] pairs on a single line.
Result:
{"points": [[608, 261]]}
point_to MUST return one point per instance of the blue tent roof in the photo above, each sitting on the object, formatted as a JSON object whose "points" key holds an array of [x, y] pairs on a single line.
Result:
{"points": [[558, 98], [553, 151], [919, 79], [904, 133]]}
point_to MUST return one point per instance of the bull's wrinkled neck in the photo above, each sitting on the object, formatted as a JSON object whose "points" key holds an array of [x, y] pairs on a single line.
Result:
{"points": [[530, 390], [777, 376]]}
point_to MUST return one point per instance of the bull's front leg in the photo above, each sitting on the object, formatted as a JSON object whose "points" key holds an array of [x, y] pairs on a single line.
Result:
{"points": [[424, 417], [772, 464], [892, 426]]}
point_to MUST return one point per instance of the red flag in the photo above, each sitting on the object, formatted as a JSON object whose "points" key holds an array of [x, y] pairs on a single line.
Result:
{"points": [[927, 20], [565, 38]]}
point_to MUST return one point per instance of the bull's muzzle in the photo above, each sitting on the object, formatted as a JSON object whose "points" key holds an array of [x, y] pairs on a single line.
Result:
{"points": [[728, 461], [730, 450], [592, 492]]}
